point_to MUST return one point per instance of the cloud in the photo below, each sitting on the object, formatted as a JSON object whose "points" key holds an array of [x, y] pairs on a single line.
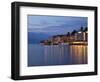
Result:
{"points": [[55, 24]]}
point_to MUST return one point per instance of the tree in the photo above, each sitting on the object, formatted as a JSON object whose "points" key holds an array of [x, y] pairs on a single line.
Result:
{"points": [[85, 29], [81, 29], [73, 32], [68, 34]]}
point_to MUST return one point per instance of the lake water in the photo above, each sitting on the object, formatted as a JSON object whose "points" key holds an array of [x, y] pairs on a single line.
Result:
{"points": [[44, 55]]}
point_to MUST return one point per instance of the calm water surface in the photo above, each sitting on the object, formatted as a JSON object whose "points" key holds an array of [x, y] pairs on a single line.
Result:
{"points": [[44, 55]]}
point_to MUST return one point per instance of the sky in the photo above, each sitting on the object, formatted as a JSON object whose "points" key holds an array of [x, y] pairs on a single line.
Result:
{"points": [[55, 24], [42, 27]]}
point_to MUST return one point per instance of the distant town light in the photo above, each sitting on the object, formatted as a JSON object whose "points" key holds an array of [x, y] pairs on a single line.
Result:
{"points": [[79, 32], [71, 38]]}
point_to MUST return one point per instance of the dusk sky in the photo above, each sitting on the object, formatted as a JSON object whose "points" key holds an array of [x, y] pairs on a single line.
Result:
{"points": [[55, 24], [43, 27]]}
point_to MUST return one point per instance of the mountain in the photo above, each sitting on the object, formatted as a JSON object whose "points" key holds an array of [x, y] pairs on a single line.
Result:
{"points": [[35, 38]]}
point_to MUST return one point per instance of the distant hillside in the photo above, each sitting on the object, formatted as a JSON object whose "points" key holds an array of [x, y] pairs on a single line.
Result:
{"points": [[35, 38]]}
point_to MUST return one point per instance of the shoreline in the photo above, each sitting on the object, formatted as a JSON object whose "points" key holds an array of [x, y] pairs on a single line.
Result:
{"points": [[69, 43]]}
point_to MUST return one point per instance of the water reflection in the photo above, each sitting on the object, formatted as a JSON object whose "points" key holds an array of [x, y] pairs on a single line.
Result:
{"points": [[40, 55], [78, 54]]}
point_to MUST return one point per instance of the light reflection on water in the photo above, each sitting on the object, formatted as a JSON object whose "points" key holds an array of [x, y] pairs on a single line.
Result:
{"points": [[44, 55], [78, 54]]}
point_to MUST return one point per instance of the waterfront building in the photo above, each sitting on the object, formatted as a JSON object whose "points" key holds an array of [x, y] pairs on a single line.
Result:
{"points": [[74, 36]]}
